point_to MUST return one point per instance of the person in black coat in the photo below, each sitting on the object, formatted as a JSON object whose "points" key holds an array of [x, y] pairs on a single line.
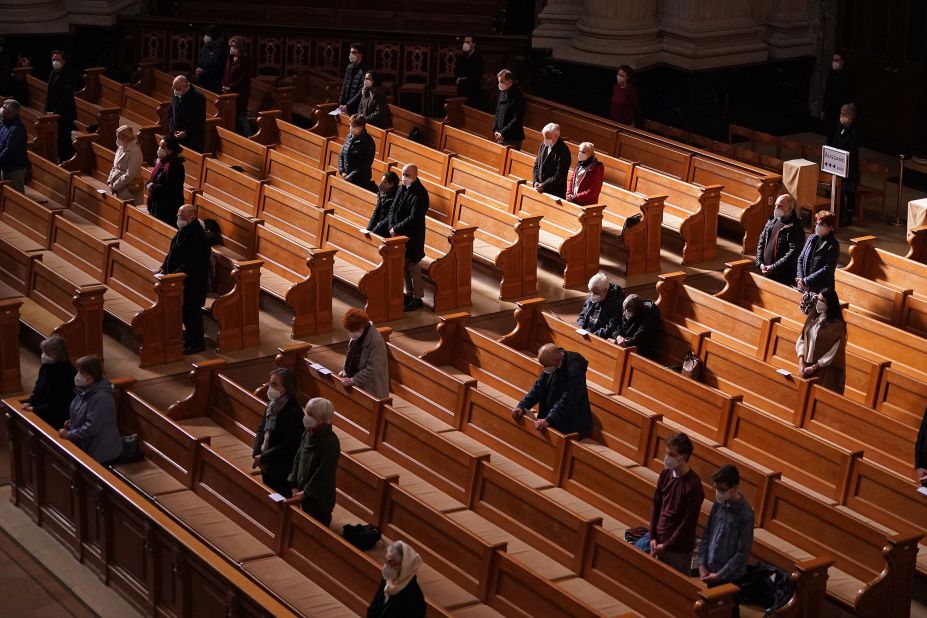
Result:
{"points": [[373, 104], [508, 127], [165, 188], [186, 116], [211, 63], [559, 392], [399, 595], [838, 91], [846, 137], [818, 258], [357, 153], [552, 165], [279, 434], [920, 451], [780, 242], [469, 74], [353, 82], [14, 157], [54, 388], [407, 218], [638, 326], [60, 100], [190, 254], [236, 79], [386, 194], [603, 304]]}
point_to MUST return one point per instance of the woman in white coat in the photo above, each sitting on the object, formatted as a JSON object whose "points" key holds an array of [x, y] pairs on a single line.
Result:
{"points": [[365, 365], [124, 179]]}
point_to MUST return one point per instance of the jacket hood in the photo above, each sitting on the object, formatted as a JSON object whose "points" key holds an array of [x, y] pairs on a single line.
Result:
{"points": [[100, 386]]}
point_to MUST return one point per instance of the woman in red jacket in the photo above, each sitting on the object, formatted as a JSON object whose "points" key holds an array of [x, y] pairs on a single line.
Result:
{"points": [[237, 79], [585, 180], [625, 107]]}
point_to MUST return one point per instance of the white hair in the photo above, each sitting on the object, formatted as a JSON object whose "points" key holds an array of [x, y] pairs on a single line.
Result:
{"points": [[587, 146], [597, 280], [551, 128], [321, 409]]}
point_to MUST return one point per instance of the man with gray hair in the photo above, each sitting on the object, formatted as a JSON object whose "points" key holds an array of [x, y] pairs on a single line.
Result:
{"points": [[316, 464], [781, 242], [552, 165], [13, 158], [602, 304]]}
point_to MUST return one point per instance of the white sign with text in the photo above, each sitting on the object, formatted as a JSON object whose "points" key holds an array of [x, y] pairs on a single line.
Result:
{"points": [[835, 161]]}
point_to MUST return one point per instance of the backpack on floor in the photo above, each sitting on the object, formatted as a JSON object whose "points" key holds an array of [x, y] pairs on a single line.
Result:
{"points": [[766, 586]]}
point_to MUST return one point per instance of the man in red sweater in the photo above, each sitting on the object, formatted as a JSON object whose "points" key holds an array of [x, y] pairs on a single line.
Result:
{"points": [[676, 505]]}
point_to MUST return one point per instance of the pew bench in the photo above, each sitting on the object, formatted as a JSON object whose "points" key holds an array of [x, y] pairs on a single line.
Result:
{"points": [[292, 186], [499, 190], [634, 223], [10, 374], [233, 149], [286, 138], [102, 119], [230, 187], [432, 164], [25, 230], [147, 115], [405, 121], [474, 149], [269, 95], [876, 270], [49, 184]]}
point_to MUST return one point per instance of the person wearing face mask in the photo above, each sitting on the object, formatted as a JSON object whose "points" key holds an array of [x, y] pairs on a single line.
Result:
{"points": [[373, 104], [353, 83], [818, 258], [625, 104], [14, 160], [406, 217], [236, 79], [602, 305], [386, 194], [780, 242], [585, 181], [277, 438], [839, 90], [186, 115], [124, 179], [92, 417], [316, 464], [559, 392], [212, 60], [190, 254], [399, 595], [728, 535], [508, 125], [637, 326], [365, 364], [54, 388], [60, 100], [552, 165], [469, 73], [357, 154], [165, 187], [821, 349], [846, 137], [676, 504]]}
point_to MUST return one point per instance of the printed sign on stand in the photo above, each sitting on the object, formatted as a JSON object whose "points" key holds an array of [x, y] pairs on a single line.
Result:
{"points": [[835, 161]]}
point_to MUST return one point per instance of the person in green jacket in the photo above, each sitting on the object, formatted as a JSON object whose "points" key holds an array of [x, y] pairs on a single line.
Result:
{"points": [[313, 474]]}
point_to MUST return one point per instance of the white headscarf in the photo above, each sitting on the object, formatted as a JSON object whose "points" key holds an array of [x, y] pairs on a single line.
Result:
{"points": [[411, 562]]}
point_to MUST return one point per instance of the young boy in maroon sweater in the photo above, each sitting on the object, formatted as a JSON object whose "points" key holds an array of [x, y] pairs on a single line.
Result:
{"points": [[676, 505]]}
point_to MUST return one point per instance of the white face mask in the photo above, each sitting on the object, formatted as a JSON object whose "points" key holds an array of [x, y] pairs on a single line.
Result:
{"points": [[503, 87], [820, 308], [352, 57], [368, 83], [355, 131], [80, 380], [467, 47], [178, 93], [207, 39], [233, 51], [724, 496], [582, 156], [835, 66], [778, 213], [274, 393], [627, 314], [597, 298], [390, 573], [56, 64], [821, 230], [181, 223], [621, 80], [162, 153], [670, 462], [46, 359], [120, 143], [406, 181], [549, 370], [355, 334], [548, 142], [309, 422]]}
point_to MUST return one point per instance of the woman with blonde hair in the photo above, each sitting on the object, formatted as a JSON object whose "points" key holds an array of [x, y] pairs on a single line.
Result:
{"points": [[124, 179]]}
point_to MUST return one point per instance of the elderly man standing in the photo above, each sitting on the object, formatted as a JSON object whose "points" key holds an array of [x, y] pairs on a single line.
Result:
{"points": [[13, 157], [781, 242], [602, 305], [186, 117], [189, 254], [407, 218], [560, 393], [316, 464], [552, 165]]}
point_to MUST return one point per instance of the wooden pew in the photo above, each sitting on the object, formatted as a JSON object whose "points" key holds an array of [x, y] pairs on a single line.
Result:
{"points": [[575, 126], [917, 244], [313, 86], [90, 114], [475, 149], [688, 210], [500, 190], [271, 96], [618, 172], [432, 164], [570, 231], [655, 155], [10, 374], [92, 160], [288, 139], [292, 198], [404, 122], [233, 149], [147, 115], [96, 206], [448, 250], [234, 189], [220, 108], [49, 184], [41, 132]]}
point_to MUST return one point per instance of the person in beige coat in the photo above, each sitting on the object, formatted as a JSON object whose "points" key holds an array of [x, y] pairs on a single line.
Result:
{"points": [[822, 346], [365, 365], [124, 179]]}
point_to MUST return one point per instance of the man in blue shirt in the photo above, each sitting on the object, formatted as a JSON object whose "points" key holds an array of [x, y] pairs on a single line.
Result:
{"points": [[728, 535], [13, 158]]}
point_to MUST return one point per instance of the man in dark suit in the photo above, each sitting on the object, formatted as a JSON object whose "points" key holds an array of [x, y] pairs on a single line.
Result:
{"points": [[838, 91], [357, 154], [186, 117], [190, 254], [559, 392], [469, 73], [212, 59], [846, 137], [353, 81], [552, 165], [508, 127], [407, 218], [60, 100]]}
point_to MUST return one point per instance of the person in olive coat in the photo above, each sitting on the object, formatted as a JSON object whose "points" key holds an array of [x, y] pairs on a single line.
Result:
{"points": [[780, 242], [508, 126], [357, 154], [552, 165], [316, 465], [165, 187], [277, 438], [211, 60], [54, 388], [60, 100], [186, 116]]}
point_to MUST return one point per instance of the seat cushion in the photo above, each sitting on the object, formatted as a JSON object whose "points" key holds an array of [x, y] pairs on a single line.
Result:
{"points": [[427, 493], [304, 595], [608, 453], [592, 596], [231, 448], [149, 478], [442, 591]]}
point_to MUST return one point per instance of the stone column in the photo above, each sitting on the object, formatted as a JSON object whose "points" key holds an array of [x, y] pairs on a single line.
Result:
{"points": [[701, 35], [34, 16], [557, 23], [612, 32], [99, 12], [788, 29]]}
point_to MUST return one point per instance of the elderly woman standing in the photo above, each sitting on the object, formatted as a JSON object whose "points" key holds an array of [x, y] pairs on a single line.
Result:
{"points": [[92, 424], [821, 349], [277, 438], [365, 365], [54, 388], [399, 594], [124, 178]]}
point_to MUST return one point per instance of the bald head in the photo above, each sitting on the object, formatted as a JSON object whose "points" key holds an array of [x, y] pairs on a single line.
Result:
{"points": [[550, 355], [409, 174], [785, 202], [181, 83], [187, 212]]}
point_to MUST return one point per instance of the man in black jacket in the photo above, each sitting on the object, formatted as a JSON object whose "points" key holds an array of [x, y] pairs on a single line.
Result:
{"points": [[838, 91], [638, 326], [552, 165], [186, 117], [846, 137], [357, 154], [407, 218], [780, 242], [508, 127], [602, 305], [560, 393], [469, 73], [60, 100], [189, 254], [386, 194], [212, 59], [14, 158], [353, 80]]}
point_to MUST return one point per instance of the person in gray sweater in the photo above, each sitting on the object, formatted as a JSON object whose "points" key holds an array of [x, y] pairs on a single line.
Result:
{"points": [[365, 364], [92, 424]]}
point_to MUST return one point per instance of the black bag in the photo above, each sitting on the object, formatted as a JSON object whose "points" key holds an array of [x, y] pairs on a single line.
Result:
{"points": [[416, 136], [766, 586], [633, 535], [633, 220], [362, 536], [131, 450]]}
